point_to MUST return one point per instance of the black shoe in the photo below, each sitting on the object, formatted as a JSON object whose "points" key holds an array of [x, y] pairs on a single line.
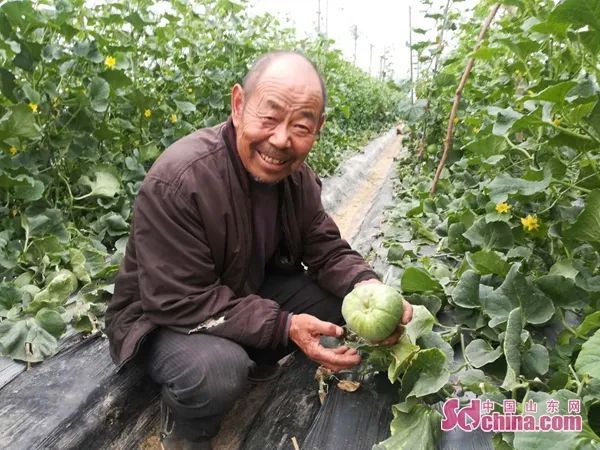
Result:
{"points": [[264, 373], [169, 440]]}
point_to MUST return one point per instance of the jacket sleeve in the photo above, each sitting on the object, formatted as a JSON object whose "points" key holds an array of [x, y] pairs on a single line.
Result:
{"points": [[329, 258], [178, 284]]}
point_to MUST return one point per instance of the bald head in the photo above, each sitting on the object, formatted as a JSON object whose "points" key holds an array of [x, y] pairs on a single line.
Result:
{"points": [[281, 60]]}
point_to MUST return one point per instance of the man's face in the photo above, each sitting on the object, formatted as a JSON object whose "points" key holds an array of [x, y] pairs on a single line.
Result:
{"points": [[277, 124]]}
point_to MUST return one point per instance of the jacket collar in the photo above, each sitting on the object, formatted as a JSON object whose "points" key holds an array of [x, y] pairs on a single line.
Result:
{"points": [[286, 209], [230, 138]]}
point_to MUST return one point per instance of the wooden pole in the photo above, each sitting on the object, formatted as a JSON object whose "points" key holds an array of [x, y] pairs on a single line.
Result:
{"points": [[319, 17], [412, 85], [458, 95]]}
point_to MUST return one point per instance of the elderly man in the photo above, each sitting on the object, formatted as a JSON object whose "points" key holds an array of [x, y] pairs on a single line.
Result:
{"points": [[213, 287]]}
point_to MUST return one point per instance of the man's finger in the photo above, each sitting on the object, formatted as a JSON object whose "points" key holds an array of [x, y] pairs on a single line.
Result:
{"points": [[326, 328], [407, 314], [328, 357], [345, 350], [392, 338]]}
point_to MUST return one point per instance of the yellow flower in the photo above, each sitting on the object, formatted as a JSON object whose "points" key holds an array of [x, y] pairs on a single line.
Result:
{"points": [[530, 223], [190, 90], [13, 150], [455, 120], [173, 118], [556, 122], [33, 107], [147, 113], [110, 61], [503, 207]]}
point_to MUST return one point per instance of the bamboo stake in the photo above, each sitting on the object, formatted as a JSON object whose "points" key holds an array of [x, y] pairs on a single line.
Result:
{"points": [[458, 95]]}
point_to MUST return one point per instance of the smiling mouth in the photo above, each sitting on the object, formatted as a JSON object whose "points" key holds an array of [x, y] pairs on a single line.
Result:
{"points": [[270, 160]]}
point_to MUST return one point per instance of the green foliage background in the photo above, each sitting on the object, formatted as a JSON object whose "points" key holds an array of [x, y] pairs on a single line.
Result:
{"points": [[506, 252], [89, 98]]}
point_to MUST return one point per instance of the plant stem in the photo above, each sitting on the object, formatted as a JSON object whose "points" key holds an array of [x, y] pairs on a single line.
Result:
{"points": [[578, 382], [516, 147], [462, 346]]}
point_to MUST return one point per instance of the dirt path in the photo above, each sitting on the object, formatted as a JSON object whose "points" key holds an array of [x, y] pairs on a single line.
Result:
{"points": [[349, 216]]}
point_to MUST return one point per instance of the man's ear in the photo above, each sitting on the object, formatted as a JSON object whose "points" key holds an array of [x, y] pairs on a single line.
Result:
{"points": [[237, 103]]}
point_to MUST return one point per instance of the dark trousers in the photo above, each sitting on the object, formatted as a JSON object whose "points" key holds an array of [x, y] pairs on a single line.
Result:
{"points": [[202, 375]]}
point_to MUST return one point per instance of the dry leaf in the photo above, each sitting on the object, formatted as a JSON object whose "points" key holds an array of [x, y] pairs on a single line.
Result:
{"points": [[348, 385]]}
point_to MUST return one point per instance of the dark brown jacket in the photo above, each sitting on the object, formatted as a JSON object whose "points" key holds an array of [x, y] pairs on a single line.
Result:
{"points": [[190, 245]]}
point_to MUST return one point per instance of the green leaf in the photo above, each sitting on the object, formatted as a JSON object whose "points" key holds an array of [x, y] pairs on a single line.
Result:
{"points": [[435, 340], [563, 291], [78, 265], [516, 291], [432, 302], [25, 187], [590, 323], [487, 146], [475, 380], [26, 340], [505, 118], [488, 262], [39, 223], [30, 191], [466, 292], [418, 429], [578, 13], [19, 122], [402, 353], [564, 268], [487, 53], [10, 296], [503, 185], [99, 92], [116, 79], [59, 288], [421, 323], [588, 361], [32, 95], [512, 348], [535, 361], [111, 223], [494, 235], [559, 440], [479, 353], [105, 184], [587, 226], [556, 93], [8, 85], [422, 231], [594, 118], [185, 107], [51, 321], [416, 279], [426, 374]]}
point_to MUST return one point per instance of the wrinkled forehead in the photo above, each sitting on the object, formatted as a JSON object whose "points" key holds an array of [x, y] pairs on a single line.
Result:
{"points": [[292, 76], [273, 96]]}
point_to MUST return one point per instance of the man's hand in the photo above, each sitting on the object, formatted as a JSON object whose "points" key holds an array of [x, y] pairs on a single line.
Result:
{"points": [[305, 331], [406, 317]]}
